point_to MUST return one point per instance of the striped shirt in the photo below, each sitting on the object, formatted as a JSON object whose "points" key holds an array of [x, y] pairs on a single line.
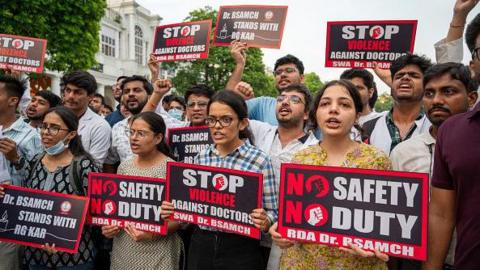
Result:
{"points": [[246, 158], [28, 145]]}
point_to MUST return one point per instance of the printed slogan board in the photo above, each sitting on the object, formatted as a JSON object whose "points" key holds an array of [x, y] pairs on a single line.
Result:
{"points": [[22, 53], [33, 217], [187, 142], [213, 197], [258, 26], [123, 200], [182, 41], [340, 206], [360, 43]]}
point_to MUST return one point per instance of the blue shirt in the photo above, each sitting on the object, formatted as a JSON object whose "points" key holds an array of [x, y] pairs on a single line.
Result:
{"points": [[263, 109], [246, 158], [114, 117], [28, 145]]}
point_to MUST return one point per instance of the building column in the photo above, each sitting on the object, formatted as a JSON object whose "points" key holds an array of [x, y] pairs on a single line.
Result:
{"points": [[55, 87]]}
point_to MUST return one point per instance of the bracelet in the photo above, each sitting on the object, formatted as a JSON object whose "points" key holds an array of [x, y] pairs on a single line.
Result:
{"points": [[457, 26]]}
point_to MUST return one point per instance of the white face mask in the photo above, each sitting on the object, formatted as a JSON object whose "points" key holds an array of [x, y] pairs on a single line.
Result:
{"points": [[57, 148], [176, 113]]}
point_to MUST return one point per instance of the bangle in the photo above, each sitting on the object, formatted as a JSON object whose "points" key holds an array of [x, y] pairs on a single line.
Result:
{"points": [[457, 26]]}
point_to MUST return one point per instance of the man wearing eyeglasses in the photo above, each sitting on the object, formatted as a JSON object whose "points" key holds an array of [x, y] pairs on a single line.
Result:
{"points": [[135, 93], [282, 141], [288, 70]]}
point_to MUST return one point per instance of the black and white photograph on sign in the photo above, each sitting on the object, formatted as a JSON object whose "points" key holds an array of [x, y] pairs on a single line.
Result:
{"points": [[215, 197], [185, 143], [182, 41], [123, 200], [258, 26], [358, 44], [339, 206], [33, 217]]}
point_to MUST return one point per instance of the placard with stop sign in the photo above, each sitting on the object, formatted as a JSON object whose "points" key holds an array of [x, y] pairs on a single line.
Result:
{"points": [[358, 44], [215, 197], [372, 209], [22, 53], [182, 41]]}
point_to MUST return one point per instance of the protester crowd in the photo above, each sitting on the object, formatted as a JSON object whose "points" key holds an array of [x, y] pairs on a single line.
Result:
{"points": [[431, 128]]}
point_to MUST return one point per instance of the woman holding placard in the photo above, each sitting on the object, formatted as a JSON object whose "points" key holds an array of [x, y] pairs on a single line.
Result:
{"points": [[336, 110], [132, 248], [62, 168], [232, 149]]}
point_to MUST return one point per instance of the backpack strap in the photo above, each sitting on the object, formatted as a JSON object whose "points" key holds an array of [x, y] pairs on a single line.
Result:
{"points": [[74, 176], [368, 127]]}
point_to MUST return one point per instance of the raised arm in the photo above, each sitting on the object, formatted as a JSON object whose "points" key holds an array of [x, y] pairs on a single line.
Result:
{"points": [[238, 52]]}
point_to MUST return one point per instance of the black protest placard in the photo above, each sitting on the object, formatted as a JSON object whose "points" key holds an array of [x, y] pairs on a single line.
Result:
{"points": [[123, 200], [182, 41], [22, 53], [187, 142], [33, 217], [357, 44], [215, 197], [373, 209], [258, 26]]}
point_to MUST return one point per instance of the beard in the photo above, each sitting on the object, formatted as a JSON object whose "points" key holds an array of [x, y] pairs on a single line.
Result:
{"points": [[137, 109]]}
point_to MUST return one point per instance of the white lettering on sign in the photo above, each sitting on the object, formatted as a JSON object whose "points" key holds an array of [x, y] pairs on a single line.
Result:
{"points": [[16, 43], [367, 190], [218, 181], [183, 31], [375, 31], [143, 191]]}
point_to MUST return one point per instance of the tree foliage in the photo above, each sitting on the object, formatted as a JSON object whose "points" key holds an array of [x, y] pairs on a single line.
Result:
{"points": [[71, 28], [217, 68], [384, 103], [313, 82]]}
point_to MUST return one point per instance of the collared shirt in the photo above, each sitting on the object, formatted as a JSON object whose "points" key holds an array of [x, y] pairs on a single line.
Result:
{"points": [[120, 150], [385, 135], [246, 158], [95, 135], [368, 117], [263, 109], [415, 154], [395, 132], [28, 145], [114, 117], [456, 168], [267, 139]]}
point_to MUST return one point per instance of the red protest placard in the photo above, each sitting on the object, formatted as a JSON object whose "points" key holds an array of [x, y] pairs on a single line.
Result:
{"points": [[215, 197], [187, 142], [123, 200], [22, 53], [357, 44], [373, 209], [33, 217], [182, 41], [258, 26]]}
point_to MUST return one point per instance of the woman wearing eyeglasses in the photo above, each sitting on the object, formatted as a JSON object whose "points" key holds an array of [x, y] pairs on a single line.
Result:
{"points": [[132, 248], [336, 109], [232, 149], [52, 171]]}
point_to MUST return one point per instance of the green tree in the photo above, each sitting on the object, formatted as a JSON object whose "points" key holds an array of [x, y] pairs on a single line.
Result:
{"points": [[384, 103], [313, 82], [217, 68], [71, 28]]}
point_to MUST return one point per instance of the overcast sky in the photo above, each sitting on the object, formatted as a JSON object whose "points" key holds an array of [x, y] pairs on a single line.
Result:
{"points": [[305, 30]]}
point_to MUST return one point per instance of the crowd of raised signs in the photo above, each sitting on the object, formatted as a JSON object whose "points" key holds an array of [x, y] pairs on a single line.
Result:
{"points": [[53, 143]]}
